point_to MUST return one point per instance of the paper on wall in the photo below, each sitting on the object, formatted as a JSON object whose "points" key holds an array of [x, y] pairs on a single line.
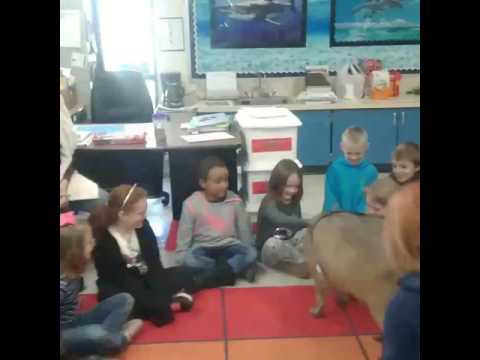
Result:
{"points": [[78, 60], [70, 28]]}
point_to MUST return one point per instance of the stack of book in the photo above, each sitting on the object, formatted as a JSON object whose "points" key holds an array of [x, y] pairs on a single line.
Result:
{"points": [[209, 123]]}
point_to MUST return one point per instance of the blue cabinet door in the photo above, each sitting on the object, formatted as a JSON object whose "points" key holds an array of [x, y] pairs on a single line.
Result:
{"points": [[380, 125], [409, 125], [313, 143]]}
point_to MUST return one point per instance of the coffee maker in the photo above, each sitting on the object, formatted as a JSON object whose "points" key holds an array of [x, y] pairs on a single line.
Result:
{"points": [[172, 90]]}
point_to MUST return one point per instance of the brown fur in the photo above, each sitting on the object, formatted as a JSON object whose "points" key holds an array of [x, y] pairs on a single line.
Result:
{"points": [[350, 253]]}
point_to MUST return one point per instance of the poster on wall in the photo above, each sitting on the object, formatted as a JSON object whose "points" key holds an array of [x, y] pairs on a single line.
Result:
{"points": [[375, 22], [285, 61], [239, 24]]}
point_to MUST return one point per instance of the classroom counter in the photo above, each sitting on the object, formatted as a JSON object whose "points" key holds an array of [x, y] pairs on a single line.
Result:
{"points": [[407, 101]]}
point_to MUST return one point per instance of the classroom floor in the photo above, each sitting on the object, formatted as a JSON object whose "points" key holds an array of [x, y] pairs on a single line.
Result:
{"points": [[268, 319]]}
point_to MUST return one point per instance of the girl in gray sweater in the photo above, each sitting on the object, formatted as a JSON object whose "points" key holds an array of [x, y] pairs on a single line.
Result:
{"points": [[280, 208]]}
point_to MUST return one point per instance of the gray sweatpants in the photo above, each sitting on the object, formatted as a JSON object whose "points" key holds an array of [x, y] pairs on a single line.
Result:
{"points": [[285, 254]]}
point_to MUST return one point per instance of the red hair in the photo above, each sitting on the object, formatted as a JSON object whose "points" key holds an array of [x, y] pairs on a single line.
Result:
{"points": [[402, 228]]}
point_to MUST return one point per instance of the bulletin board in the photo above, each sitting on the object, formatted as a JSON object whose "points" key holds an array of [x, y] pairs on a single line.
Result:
{"points": [[283, 61]]}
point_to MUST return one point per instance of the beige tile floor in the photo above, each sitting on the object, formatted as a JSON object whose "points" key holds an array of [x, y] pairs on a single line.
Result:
{"points": [[160, 218]]}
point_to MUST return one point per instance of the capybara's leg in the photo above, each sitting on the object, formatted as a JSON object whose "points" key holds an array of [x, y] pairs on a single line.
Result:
{"points": [[342, 298], [320, 289]]}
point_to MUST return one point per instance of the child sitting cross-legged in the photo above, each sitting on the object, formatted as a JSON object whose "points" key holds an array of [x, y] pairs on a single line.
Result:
{"points": [[104, 330], [127, 259], [214, 236], [280, 210]]}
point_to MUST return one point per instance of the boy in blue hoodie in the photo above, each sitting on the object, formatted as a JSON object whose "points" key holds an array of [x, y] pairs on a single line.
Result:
{"points": [[349, 175]]}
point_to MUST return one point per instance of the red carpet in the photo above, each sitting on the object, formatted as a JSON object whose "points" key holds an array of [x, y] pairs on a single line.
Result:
{"points": [[269, 312], [204, 322], [280, 312], [361, 318], [171, 244]]}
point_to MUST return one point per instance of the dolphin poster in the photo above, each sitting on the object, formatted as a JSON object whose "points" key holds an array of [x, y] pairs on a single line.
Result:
{"points": [[375, 22], [257, 23]]}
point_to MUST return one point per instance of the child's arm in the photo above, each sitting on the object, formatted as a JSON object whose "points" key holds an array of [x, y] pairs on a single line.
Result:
{"points": [[243, 225], [331, 201], [185, 231], [372, 176], [275, 216]]}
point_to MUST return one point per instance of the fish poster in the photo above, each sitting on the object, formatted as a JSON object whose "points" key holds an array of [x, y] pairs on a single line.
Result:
{"points": [[375, 22], [212, 52], [242, 24]]}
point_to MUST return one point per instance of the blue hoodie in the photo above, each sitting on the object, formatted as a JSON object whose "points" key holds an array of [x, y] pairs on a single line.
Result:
{"points": [[344, 185], [402, 321]]}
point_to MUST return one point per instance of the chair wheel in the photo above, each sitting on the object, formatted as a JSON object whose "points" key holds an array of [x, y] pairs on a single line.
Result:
{"points": [[165, 198]]}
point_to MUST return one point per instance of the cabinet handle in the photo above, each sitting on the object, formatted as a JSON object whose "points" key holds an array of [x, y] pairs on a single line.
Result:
{"points": [[403, 118], [394, 119]]}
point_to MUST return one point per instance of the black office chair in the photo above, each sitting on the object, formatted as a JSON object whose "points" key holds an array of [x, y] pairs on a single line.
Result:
{"points": [[122, 97]]}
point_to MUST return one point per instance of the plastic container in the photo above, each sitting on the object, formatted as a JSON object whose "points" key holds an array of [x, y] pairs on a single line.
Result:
{"points": [[159, 118], [269, 135]]}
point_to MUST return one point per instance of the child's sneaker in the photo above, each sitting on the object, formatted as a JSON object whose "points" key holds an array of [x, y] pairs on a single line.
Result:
{"points": [[131, 328], [185, 300]]}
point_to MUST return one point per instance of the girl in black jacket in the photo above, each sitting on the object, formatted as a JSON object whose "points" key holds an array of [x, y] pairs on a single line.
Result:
{"points": [[127, 259]]}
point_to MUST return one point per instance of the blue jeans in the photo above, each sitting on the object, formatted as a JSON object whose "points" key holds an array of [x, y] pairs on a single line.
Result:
{"points": [[238, 256], [99, 330]]}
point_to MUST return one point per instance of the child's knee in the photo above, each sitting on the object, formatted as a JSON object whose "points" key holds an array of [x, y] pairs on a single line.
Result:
{"points": [[196, 260], [125, 300]]}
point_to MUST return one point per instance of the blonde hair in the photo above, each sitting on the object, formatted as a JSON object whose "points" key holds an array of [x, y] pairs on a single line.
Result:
{"points": [[408, 151], [72, 249], [355, 135], [402, 229]]}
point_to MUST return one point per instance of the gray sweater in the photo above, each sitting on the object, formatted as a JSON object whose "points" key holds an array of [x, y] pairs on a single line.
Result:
{"points": [[212, 224], [273, 214]]}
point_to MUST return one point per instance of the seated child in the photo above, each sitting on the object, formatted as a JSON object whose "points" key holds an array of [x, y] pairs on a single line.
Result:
{"points": [[127, 259], [214, 233], [348, 175], [405, 169], [104, 330], [406, 163], [280, 208]]}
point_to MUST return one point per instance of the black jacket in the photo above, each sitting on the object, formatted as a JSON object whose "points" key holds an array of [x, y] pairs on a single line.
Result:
{"points": [[152, 291]]}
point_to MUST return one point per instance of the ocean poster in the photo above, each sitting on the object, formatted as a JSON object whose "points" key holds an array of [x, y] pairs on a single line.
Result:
{"points": [[257, 23], [371, 22], [317, 50]]}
